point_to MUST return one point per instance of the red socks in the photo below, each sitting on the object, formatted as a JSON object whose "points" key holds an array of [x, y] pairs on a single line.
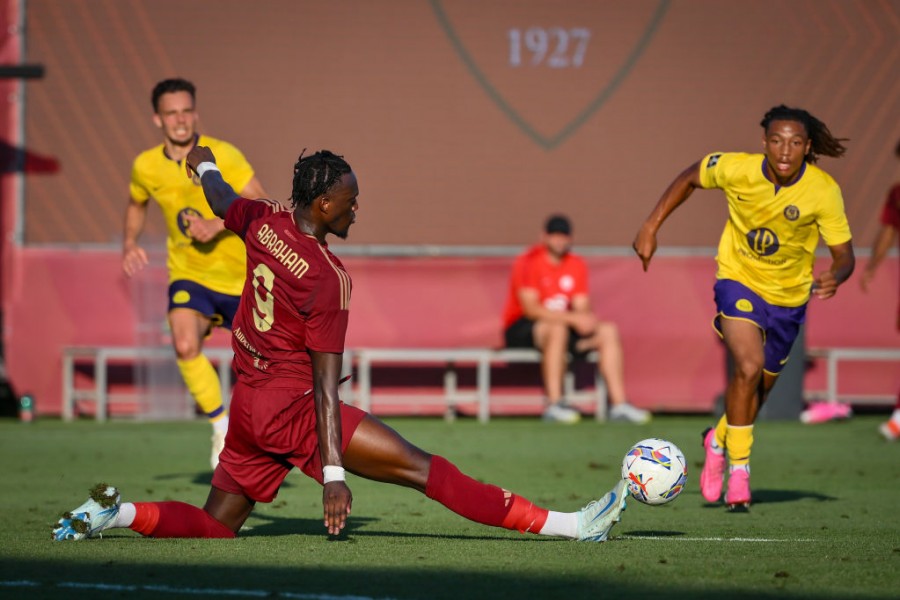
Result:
{"points": [[481, 502], [176, 520]]}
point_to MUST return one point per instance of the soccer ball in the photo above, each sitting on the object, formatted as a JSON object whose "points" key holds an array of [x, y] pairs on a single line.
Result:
{"points": [[655, 471]]}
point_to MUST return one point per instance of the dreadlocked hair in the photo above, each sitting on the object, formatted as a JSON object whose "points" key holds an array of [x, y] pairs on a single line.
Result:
{"points": [[314, 175], [823, 142]]}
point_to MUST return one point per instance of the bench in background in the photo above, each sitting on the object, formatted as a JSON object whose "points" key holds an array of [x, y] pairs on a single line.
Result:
{"points": [[834, 356], [361, 391], [450, 360]]}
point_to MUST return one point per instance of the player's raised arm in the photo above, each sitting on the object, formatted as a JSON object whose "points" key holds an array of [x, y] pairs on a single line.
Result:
{"points": [[677, 192], [218, 192]]}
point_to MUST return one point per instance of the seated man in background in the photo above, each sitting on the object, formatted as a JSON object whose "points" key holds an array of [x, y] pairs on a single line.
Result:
{"points": [[549, 308]]}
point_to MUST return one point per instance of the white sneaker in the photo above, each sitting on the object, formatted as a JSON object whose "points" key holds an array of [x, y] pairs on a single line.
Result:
{"points": [[628, 413], [597, 518], [218, 444], [556, 413], [99, 512]]}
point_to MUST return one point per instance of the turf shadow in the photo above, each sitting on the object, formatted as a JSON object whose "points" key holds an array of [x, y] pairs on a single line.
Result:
{"points": [[268, 525], [776, 496]]}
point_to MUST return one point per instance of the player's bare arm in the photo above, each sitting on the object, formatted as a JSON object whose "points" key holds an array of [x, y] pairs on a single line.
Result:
{"points": [[336, 496], [218, 192], [843, 262], [883, 242], [677, 192], [134, 258]]}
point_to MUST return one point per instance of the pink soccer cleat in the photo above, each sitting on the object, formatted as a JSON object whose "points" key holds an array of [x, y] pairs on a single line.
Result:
{"points": [[821, 412], [713, 469], [738, 494]]}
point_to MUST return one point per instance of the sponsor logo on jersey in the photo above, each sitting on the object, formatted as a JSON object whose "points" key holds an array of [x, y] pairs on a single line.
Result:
{"points": [[791, 213], [744, 305], [763, 241], [713, 161]]}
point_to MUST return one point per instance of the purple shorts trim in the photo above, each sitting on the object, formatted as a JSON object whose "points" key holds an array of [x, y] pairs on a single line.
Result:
{"points": [[221, 308], [779, 324]]}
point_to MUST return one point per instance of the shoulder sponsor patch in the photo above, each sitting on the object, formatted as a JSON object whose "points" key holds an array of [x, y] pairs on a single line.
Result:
{"points": [[713, 160]]}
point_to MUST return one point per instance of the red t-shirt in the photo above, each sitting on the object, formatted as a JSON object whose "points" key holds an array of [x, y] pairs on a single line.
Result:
{"points": [[556, 284], [296, 297]]}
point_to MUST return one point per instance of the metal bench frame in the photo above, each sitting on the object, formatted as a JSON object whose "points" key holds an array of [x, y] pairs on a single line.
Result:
{"points": [[363, 359], [834, 356]]}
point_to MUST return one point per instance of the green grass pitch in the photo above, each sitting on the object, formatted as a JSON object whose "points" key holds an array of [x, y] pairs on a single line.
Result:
{"points": [[824, 524]]}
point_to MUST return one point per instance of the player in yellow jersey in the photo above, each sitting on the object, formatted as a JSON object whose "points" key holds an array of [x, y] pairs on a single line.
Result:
{"points": [[206, 263], [779, 203]]}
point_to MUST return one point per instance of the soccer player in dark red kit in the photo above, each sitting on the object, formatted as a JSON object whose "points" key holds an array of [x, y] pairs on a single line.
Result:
{"points": [[884, 239], [288, 340]]}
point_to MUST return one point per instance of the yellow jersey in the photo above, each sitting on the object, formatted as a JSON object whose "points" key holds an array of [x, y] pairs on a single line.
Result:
{"points": [[770, 239], [218, 265]]}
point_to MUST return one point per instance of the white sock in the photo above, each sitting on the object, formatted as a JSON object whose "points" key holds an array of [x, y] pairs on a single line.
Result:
{"points": [[221, 426], [560, 524], [895, 416], [733, 468], [126, 515]]}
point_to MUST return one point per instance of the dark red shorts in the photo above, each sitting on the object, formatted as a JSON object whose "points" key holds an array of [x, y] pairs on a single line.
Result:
{"points": [[269, 432]]}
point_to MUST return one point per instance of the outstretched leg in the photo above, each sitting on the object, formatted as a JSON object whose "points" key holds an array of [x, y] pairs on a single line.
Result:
{"points": [[378, 452], [222, 516]]}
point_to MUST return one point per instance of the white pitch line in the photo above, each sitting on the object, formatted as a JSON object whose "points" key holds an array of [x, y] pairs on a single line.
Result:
{"points": [[167, 589], [710, 539]]}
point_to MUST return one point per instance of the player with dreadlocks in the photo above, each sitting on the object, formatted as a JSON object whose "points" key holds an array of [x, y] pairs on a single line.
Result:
{"points": [[778, 203], [288, 340]]}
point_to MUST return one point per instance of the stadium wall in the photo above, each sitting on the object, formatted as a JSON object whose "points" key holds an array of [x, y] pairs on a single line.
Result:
{"points": [[461, 133], [673, 359]]}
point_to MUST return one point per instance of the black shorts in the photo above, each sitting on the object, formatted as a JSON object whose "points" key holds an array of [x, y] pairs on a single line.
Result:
{"points": [[521, 335]]}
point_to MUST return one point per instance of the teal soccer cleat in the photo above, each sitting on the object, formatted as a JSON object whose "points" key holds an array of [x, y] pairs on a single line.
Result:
{"points": [[99, 512], [597, 518]]}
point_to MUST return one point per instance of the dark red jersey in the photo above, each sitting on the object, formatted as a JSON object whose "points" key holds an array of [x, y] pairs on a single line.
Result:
{"points": [[890, 214], [296, 297]]}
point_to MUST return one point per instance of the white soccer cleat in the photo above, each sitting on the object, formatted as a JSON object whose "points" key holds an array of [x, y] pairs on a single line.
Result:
{"points": [[218, 444], [557, 413], [597, 518], [628, 413], [98, 513]]}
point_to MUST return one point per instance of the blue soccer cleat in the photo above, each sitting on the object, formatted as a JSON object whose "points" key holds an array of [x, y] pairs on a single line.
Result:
{"points": [[99, 512]]}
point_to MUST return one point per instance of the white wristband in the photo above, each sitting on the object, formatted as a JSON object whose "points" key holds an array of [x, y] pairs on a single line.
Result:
{"points": [[332, 473], [206, 166]]}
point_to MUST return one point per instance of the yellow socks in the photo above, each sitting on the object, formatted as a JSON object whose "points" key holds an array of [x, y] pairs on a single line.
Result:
{"points": [[740, 439], [202, 382], [721, 430]]}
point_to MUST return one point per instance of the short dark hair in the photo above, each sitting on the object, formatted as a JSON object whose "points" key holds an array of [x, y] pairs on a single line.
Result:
{"points": [[316, 174], [823, 143], [168, 86], [558, 224]]}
